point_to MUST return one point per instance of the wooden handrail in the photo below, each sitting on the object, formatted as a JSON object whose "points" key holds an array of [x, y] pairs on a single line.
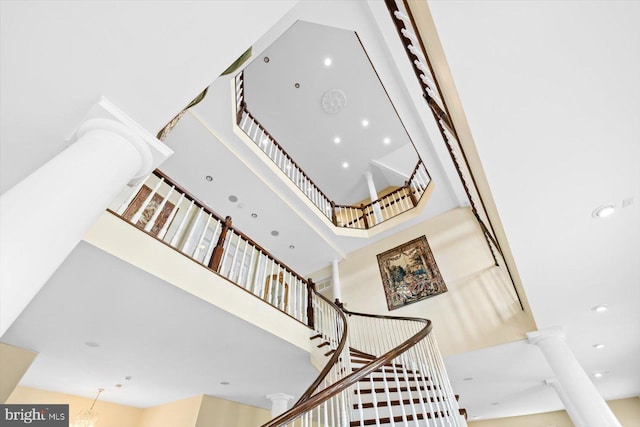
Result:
{"points": [[188, 195], [406, 186], [443, 118], [305, 405], [242, 108], [334, 358], [279, 147]]}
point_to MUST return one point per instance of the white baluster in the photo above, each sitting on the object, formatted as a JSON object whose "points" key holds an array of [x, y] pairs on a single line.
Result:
{"points": [[192, 230], [167, 223], [251, 272], [234, 258], [201, 239], [176, 236]]}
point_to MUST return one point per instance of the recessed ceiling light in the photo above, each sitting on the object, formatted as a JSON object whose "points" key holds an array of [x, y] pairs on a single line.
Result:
{"points": [[598, 346], [233, 198], [297, 85], [387, 141], [365, 122], [467, 379], [597, 374], [345, 165], [254, 215], [600, 308], [225, 382], [336, 140], [266, 59], [275, 233], [118, 385], [92, 344], [128, 377], [495, 403], [603, 211], [291, 247], [208, 178], [327, 61]]}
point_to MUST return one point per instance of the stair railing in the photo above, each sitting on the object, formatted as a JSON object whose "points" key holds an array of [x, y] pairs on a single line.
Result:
{"points": [[166, 211], [361, 217], [414, 47], [404, 348]]}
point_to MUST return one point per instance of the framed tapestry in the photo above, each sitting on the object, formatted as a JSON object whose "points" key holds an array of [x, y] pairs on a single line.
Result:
{"points": [[149, 210], [409, 273]]}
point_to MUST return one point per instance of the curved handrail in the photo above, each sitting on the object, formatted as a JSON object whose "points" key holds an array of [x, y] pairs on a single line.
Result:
{"points": [[334, 358], [303, 406]]}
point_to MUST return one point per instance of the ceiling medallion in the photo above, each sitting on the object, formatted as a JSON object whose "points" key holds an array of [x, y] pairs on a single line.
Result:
{"points": [[333, 101]]}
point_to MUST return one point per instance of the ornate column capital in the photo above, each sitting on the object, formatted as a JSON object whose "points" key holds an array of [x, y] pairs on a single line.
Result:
{"points": [[105, 116]]}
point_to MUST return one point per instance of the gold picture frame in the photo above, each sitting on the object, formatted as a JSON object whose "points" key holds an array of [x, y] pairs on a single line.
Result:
{"points": [[410, 273]]}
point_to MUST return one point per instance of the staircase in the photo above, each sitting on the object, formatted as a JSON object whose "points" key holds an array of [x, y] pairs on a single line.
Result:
{"points": [[378, 371], [394, 392]]}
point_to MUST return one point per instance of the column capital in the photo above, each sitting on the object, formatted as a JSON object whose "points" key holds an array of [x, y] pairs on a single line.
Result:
{"points": [[279, 396], [279, 403], [555, 333], [105, 116]]}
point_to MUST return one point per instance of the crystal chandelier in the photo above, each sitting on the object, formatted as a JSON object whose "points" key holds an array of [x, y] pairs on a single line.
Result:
{"points": [[88, 417]]}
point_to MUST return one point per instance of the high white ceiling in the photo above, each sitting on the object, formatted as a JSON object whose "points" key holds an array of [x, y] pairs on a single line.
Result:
{"points": [[550, 90]]}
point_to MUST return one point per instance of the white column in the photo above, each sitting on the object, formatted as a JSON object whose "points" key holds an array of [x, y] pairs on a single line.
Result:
{"points": [[579, 390], [335, 279], [566, 402], [279, 403], [373, 194], [45, 215]]}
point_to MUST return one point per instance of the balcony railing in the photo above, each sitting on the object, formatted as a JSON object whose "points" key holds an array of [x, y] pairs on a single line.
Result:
{"points": [[416, 52], [368, 355], [167, 212], [360, 217]]}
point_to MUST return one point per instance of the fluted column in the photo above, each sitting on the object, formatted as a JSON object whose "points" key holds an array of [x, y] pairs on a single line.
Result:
{"points": [[580, 393], [45, 215]]}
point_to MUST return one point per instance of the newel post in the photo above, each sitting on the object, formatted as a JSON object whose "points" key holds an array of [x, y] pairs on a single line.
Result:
{"points": [[216, 258], [364, 216], [414, 201], [311, 287], [334, 217]]}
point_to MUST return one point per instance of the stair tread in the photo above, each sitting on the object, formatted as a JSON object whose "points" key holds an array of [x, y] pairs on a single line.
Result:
{"points": [[396, 402], [399, 418]]}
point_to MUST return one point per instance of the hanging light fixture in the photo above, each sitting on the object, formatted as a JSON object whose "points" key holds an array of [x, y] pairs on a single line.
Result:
{"points": [[88, 417]]}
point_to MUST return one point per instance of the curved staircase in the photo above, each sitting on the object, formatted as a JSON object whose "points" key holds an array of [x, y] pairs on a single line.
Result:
{"points": [[380, 371]]}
